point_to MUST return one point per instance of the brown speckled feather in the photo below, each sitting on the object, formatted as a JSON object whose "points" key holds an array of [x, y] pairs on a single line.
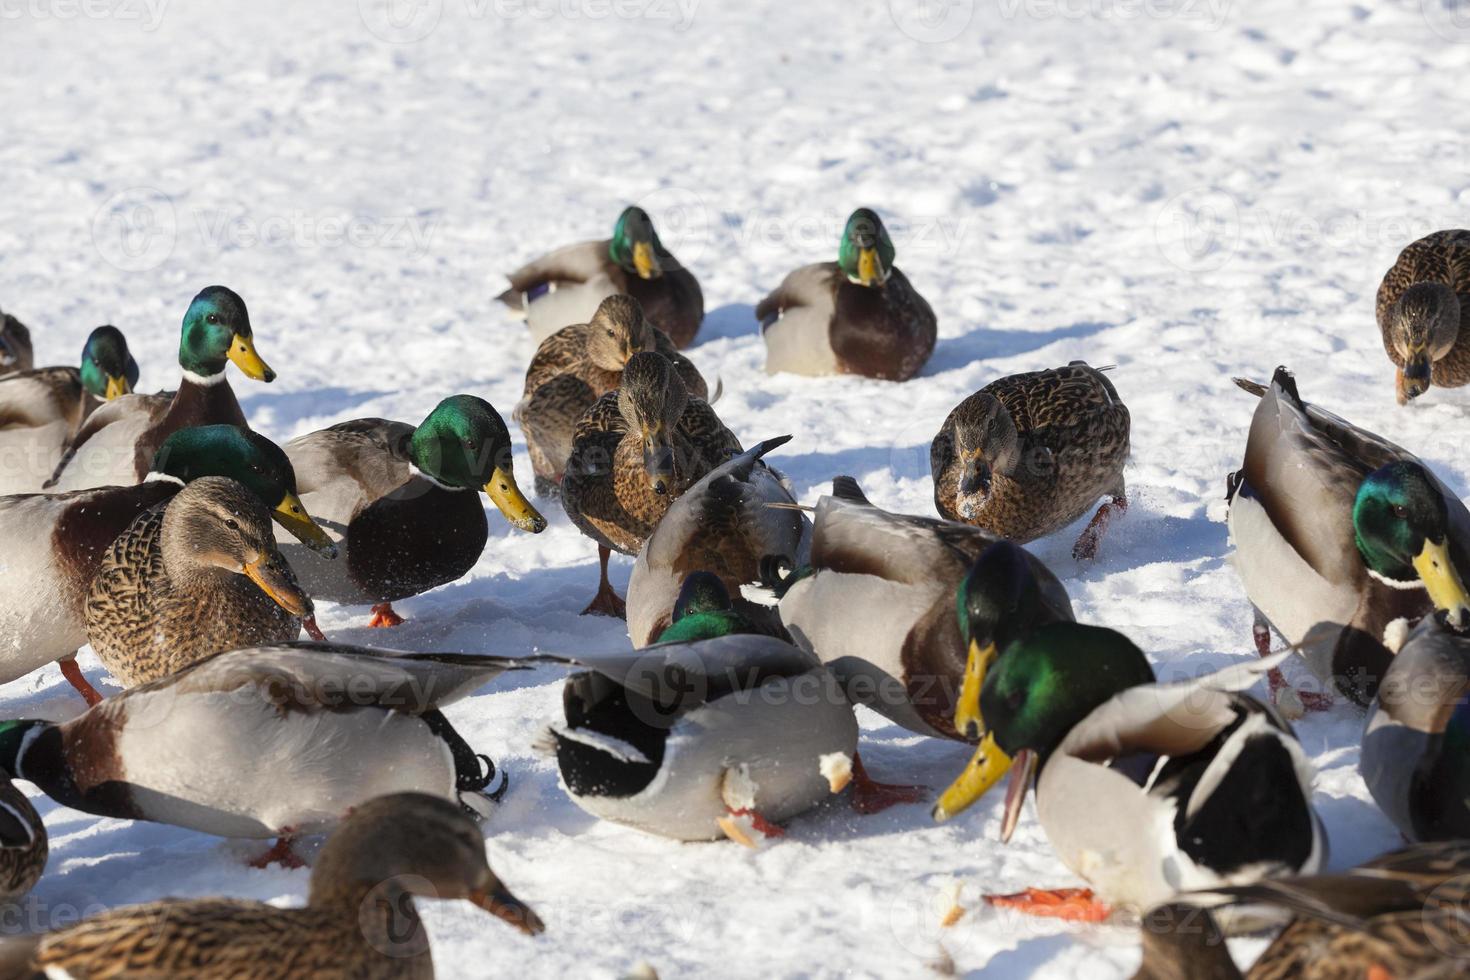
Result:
{"points": [[23, 843], [144, 625], [1442, 257], [1074, 441]]}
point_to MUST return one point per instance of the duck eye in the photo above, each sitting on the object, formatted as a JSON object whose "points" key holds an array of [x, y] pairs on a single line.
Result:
{"points": [[212, 318], [610, 333], [232, 524], [1400, 511]]}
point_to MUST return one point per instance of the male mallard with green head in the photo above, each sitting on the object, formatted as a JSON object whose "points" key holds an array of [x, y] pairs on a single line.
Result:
{"points": [[185, 581], [1423, 313], [858, 315], [42, 409], [1144, 789], [266, 741], [566, 286], [403, 502], [1341, 539], [58, 540], [578, 365], [116, 444], [359, 920], [1401, 914], [1029, 454], [16, 352], [737, 524], [636, 450]]}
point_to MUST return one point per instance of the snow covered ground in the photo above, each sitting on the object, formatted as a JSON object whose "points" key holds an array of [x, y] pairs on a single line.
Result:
{"points": [[1188, 189]]}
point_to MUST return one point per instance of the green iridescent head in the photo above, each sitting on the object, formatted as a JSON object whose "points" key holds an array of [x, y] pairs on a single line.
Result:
{"points": [[108, 369], [635, 245], [703, 611], [216, 330], [464, 445], [248, 458], [866, 253], [1401, 525]]}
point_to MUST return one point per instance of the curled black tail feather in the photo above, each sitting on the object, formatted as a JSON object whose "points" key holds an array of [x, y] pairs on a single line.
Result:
{"points": [[469, 775]]}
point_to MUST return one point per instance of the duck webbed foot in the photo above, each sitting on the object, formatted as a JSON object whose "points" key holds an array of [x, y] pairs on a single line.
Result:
{"points": [[279, 853], [1070, 904], [607, 602], [1288, 700], [1086, 547], [870, 796], [383, 616], [74, 676]]}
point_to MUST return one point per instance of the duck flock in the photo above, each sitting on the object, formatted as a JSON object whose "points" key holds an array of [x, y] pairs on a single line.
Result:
{"points": [[146, 526]]}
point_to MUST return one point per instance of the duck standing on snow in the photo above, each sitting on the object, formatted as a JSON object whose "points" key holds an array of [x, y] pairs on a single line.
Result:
{"points": [[636, 451], [706, 733], [58, 540], [1143, 789], [16, 352], [42, 409], [578, 365], [1423, 313], [190, 579], [858, 315], [724, 526], [115, 446], [403, 502], [1399, 915], [1342, 539], [1413, 759], [389, 851], [265, 742], [566, 286], [1029, 454]]}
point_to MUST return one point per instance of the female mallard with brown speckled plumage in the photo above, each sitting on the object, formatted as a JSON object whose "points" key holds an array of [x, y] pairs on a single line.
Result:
{"points": [[404, 503], [858, 315], [636, 450], [1031, 453], [578, 365], [42, 409], [23, 843], [1424, 314], [16, 353], [199, 576], [1400, 915], [566, 286], [359, 920]]}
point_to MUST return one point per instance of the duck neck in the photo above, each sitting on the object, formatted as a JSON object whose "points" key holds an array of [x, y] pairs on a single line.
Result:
{"points": [[204, 400], [382, 913]]}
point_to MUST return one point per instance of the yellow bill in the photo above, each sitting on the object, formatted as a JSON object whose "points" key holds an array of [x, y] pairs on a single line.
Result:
{"points": [[1442, 580], [967, 719], [986, 767], [509, 500], [645, 262], [291, 514], [278, 585], [117, 387], [870, 270], [242, 352]]}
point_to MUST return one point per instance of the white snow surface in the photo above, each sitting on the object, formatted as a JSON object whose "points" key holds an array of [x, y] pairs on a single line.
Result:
{"points": [[1187, 189]]}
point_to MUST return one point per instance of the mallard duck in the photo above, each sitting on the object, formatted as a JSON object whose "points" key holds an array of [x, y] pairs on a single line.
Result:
{"points": [[858, 315], [1029, 454], [566, 286], [878, 605], [1413, 760], [1144, 789], [58, 540], [1424, 314], [41, 409], [579, 364], [733, 752], [636, 450], [723, 525], [1340, 535], [115, 445], [199, 575], [1400, 915], [16, 353], [23, 843], [359, 920], [265, 742], [403, 502]]}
